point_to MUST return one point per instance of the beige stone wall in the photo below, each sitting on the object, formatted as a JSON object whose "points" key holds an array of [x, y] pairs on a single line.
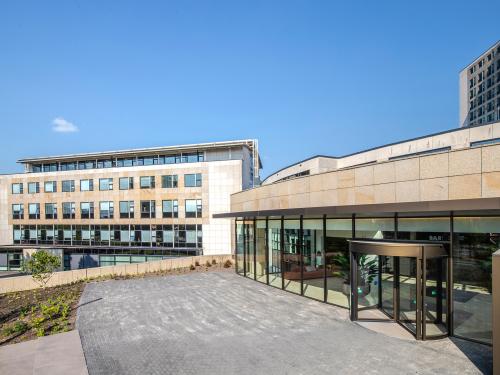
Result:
{"points": [[456, 140], [458, 174], [220, 180], [16, 284]]}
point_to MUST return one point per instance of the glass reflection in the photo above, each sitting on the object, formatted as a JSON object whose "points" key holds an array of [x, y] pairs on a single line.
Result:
{"points": [[260, 250], [338, 231], [291, 256], [312, 255], [274, 246]]}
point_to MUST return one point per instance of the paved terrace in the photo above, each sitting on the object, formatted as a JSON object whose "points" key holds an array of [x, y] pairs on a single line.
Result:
{"points": [[221, 323]]}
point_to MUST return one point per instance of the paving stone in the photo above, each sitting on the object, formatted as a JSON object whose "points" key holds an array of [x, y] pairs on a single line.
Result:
{"points": [[222, 323]]}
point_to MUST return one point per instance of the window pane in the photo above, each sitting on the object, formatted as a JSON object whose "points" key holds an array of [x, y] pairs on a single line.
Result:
{"points": [[338, 231], [312, 255], [378, 228], [260, 251], [475, 240]]}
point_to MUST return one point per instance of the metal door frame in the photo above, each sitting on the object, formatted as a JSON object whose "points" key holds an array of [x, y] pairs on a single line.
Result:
{"points": [[421, 252]]}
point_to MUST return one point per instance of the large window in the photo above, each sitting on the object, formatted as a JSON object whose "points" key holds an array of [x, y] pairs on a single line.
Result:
{"points": [[106, 210], [68, 210], [68, 186], [239, 247], [87, 210], [33, 187], [313, 258], [291, 256], [105, 184], [170, 208], [147, 182], [17, 188], [338, 231], [274, 249], [18, 211], [50, 186], [193, 208], [375, 228], [192, 180], [169, 182], [475, 239], [165, 235], [148, 210], [260, 251], [50, 210], [50, 167], [126, 183], [102, 235], [105, 164], [86, 185], [126, 162], [34, 210], [126, 209], [435, 229]]}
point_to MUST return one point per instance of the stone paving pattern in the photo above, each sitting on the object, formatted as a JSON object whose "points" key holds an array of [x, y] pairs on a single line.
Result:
{"points": [[222, 323]]}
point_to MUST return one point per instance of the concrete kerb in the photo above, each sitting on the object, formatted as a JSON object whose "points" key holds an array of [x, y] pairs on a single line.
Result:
{"points": [[20, 283]]}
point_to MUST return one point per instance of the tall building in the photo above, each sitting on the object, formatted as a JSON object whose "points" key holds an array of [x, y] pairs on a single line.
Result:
{"points": [[125, 206], [479, 89]]}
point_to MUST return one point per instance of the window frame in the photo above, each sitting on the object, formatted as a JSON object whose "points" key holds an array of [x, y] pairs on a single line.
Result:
{"points": [[48, 183], [71, 187], [18, 214], [130, 183], [130, 210], [72, 209], [170, 181], [151, 184], [37, 187], [198, 178], [91, 210], [90, 182], [109, 182], [174, 212], [198, 212], [20, 186], [110, 210], [53, 215]]}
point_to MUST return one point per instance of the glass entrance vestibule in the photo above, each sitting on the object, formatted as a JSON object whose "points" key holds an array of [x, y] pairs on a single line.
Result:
{"points": [[405, 282], [309, 256]]}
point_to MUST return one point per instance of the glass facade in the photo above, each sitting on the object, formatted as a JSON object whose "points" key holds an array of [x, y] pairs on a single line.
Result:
{"points": [[310, 256], [475, 239], [191, 157], [130, 235]]}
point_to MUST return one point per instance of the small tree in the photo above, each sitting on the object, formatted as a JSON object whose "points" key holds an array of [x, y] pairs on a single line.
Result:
{"points": [[41, 266]]}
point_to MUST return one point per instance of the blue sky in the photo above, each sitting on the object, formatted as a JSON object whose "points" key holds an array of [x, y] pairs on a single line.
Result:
{"points": [[304, 77]]}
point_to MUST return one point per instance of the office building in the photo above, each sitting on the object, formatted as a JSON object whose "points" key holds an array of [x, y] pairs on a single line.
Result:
{"points": [[479, 89], [125, 206]]}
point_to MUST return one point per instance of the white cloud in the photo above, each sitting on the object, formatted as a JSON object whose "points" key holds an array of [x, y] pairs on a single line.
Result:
{"points": [[61, 125]]}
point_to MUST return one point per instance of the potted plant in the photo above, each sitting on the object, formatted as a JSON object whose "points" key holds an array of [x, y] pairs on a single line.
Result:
{"points": [[366, 272]]}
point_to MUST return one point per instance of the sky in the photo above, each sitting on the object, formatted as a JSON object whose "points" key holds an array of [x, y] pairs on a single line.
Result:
{"points": [[302, 77]]}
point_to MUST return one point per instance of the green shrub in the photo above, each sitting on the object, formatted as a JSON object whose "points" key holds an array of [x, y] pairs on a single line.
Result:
{"points": [[214, 262], [197, 263], [208, 264], [192, 268], [17, 327], [227, 264]]}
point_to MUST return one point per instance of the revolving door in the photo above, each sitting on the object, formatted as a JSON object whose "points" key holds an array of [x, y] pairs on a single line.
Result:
{"points": [[403, 282]]}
